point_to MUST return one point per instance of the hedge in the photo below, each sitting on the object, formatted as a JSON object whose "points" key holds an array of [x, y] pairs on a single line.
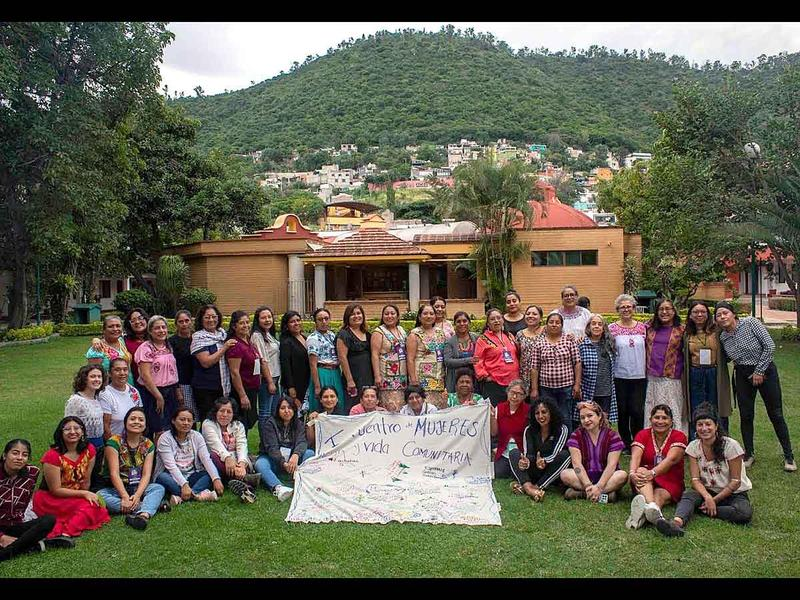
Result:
{"points": [[31, 332], [782, 303]]}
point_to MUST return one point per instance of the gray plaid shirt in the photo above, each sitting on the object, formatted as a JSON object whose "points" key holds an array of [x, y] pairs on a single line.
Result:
{"points": [[749, 344]]}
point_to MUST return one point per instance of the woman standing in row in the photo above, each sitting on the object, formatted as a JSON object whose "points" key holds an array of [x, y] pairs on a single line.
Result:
{"points": [[630, 376], [158, 377], [244, 365], [323, 361], [497, 365], [598, 354], [526, 340], [425, 356], [353, 349], [514, 318], [263, 337], [459, 350], [575, 317], [295, 370], [388, 345], [181, 344], [135, 326], [110, 346], [664, 344], [440, 308], [210, 378]]}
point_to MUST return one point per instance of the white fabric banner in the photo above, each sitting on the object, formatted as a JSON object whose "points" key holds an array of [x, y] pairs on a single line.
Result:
{"points": [[381, 467]]}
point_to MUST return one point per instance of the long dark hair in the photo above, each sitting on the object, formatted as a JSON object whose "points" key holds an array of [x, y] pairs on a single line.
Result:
{"points": [[58, 436], [276, 416], [555, 417], [289, 314], [175, 414], [24, 470], [81, 379], [706, 410], [348, 312], [257, 326], [691, 326], [655, 322], [126, 322], [324, 389], [132, 410]]}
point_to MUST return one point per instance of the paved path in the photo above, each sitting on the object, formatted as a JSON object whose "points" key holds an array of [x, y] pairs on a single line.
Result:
{"points": [[775, 318]]}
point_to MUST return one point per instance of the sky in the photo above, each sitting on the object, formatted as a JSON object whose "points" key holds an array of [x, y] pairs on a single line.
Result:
{"points": [[220, 56]]}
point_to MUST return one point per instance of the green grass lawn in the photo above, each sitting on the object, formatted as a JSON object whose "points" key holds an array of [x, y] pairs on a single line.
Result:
{"points": [[552, 539]]}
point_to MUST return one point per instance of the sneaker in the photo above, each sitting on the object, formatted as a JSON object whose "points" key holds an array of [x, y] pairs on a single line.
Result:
{"points": [[60, 541], [669, 528], [175, 500], [136, 522], [242, 490], [652, 512], [282, 493], [206, 496], [572, 494], [636, 518], [253, 480], [789, 466], [748, 462]]}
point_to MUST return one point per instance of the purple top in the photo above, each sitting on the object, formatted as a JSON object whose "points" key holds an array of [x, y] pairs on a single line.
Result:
{"points": [[593, 463], [665, 361]]}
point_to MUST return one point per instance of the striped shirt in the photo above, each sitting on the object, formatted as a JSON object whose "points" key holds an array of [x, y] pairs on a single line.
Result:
{"points": [[749, 344]]}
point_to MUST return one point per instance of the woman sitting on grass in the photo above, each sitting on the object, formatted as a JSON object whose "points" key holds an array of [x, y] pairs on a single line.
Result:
{"points": [[656, 470], [595, 449], [329, 403], [226, 439], [719, 481], [464, 394], [283, 447], [17, 480], [64, 491], [543, 455], [508, 423], [184, 466], [129, 471]]}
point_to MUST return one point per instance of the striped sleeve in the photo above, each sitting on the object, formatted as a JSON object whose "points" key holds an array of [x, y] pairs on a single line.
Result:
{"points": [[559, 445]]}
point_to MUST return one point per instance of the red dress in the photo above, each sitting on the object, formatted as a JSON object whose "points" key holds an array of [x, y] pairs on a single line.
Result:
{"points": [[73, 515], [672, 480]]}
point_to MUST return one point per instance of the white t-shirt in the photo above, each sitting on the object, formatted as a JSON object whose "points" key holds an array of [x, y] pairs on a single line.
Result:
{"points": [[117, 404], [630, 345], [427, 409], [576, 322], [716, 475]]}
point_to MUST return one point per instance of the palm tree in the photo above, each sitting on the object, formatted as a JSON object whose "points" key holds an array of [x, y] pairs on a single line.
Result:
{"points": [[493, 197]]}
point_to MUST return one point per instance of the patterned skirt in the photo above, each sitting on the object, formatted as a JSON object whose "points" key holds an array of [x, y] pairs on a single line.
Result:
{"points": [[665, 390]]}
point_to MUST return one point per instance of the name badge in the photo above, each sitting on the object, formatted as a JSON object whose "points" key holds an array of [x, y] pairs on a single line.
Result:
{"points": [[401, 351], [439, 355], [705, 356], [257, 367], [507, 358], [134, 475], [657, 460]]}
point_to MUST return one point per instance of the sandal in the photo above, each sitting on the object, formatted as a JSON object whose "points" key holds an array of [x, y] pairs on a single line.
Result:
{"points": [[538, 496], [516, 488]]}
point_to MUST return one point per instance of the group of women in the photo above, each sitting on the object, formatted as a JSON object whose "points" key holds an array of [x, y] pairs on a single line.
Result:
{"points": [[128, 443]]}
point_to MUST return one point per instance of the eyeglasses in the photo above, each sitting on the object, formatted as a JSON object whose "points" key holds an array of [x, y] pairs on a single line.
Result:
{"points": [[517, 394], [137, 319], [569, 295], [625, 307], [68, 429]]}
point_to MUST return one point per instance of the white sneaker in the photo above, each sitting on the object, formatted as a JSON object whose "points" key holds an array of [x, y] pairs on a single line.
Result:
{"points": [[789, 466], [652, 512], [749, 462], [637, 518], [207, 496], [282, 493]]}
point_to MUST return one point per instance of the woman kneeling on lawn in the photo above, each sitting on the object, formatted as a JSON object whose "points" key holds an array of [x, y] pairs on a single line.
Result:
{"points": [[656, 467], [719, 482], [64, 491], [184, 466], [129, 471], [283, 447], [595, 449], [226, 438]]}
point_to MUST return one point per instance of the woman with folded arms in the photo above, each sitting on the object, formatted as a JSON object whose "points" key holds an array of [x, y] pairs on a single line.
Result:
{"points": [[117, 398], [64, 490], [538, 464], [17, 481], [388, 345], [129, 470], [459, 350], [595, 449], [184, 466], [497, 365], [719, 478], [656, 469], [323, 361]]}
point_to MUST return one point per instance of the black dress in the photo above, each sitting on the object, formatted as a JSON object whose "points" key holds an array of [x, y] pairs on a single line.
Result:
{"points": [[359, 358], [295, 370]]}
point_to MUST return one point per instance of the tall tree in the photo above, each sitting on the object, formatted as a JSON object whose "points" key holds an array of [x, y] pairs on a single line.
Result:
{"points": [[66, 90]]}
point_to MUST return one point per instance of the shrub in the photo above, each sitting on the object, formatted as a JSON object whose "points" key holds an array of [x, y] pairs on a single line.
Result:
{"points": [[790, 334], [124, 301], [782, 303], [193, 298], [31, 332]]}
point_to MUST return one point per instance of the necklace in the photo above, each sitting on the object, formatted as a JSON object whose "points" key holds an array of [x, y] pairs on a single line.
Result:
{"points": [[659, 449]]}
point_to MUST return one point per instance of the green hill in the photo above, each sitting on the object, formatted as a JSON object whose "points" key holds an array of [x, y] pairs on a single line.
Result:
{"points": [[406, 87]]}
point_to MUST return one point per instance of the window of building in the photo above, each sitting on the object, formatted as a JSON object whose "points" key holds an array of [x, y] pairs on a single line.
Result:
{"points": [[563, 258], [105, 288]]}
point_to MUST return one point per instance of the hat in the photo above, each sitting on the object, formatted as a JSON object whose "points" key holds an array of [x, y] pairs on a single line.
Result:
{"points": [[724, 304]]}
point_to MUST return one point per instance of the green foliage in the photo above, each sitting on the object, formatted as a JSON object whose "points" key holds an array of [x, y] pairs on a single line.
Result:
{"points": [[193, 298], [790, 334], [171, 279], [631, 275], [782, 303], [31, 332], [135, 298], [76, 330], [306, 205], [418, 209]]}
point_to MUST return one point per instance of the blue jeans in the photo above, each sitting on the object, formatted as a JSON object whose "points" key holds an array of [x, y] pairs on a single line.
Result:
{"points": [[153, 494], [562, 398], [267, 467], [266, 401], [703, 388], [198, 481]]}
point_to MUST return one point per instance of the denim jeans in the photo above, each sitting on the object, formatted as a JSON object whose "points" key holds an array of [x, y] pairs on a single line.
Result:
{"points": [[266, 401], [562, 398], [153, 494], [703, 388], [198, 481], [267, 467]]}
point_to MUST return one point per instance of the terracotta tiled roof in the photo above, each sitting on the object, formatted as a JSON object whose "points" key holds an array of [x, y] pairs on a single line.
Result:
{"points": [[554, 215], [369, 242], [446, 237]]}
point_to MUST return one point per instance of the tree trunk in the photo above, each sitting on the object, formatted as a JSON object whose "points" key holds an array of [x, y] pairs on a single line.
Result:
{"points": [[18, 305]]}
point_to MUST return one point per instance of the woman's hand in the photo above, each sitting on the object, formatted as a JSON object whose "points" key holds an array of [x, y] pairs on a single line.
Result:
{"points": [[576, 391], [240, 471], [186, 492], [179, 397], [757, 379], [97, 344], [218, 487], [378, 381], [160, 404], [230, 466], [473, 360], [244, 402], [291, 464], [524, 463], [91, 497], [229, 343], [271, 386], [709, 507], [540, 462], [126, 505], [135, 502]]}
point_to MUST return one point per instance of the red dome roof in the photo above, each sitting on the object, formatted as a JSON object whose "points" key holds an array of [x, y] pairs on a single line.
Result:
{"points": [[550, 213]]}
